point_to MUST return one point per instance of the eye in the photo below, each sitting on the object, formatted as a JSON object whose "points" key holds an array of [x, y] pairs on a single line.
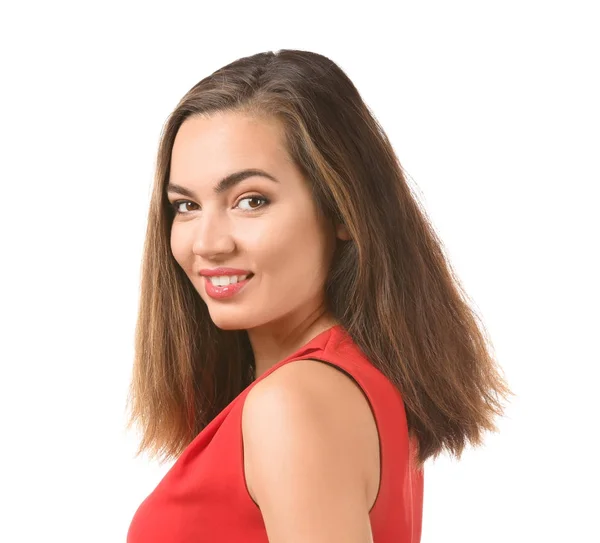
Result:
{"points": [[175, 205], [255, 198], [179, 205]]}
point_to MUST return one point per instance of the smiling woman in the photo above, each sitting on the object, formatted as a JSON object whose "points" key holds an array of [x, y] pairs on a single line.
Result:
{"points": [[282, 240], [302, 345]]}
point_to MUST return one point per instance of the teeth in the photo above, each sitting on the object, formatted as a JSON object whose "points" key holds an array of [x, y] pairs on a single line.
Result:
{"points": [[223, 280]]}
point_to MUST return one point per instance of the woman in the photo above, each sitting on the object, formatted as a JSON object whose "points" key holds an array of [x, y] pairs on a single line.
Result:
{"points": [[302, 346]]}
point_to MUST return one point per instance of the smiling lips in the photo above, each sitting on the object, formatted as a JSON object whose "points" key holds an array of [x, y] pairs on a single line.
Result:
{"points": [[225, 282], [220, 287], [223, 271]]}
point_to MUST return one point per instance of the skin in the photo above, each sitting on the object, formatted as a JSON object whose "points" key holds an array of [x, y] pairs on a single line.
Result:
{"points": [[307, 426], [311, 455]]}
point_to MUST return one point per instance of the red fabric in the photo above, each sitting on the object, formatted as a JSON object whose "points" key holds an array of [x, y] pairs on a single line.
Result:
{"points": [[203, 497]]}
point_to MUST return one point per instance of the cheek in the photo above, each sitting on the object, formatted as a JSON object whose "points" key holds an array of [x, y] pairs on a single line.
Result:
{"points": [[179, 247], [293, 242]]}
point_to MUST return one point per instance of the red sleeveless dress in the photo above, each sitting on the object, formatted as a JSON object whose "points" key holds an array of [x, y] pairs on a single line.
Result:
{"points": [[203, 497]]}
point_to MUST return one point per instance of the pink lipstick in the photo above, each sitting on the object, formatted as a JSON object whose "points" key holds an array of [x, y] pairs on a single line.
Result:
{"points": [[225, 291]]}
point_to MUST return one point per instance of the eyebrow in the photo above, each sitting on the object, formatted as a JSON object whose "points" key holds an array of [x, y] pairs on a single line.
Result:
{"points": [[224, 184]]}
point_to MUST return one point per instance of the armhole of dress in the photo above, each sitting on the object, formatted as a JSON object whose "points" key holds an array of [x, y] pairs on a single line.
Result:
{"points": [[246, 486], [243, 452], [374, 418]]}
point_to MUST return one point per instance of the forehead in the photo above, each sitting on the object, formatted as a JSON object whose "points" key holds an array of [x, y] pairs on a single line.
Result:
{"points": [[215, 145]]}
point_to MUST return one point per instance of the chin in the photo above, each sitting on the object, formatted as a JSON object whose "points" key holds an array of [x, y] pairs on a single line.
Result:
{"points": [[228, 326], [230, 322]]}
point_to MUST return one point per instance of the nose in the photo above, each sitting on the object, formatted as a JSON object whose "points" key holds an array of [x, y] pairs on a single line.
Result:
{"points": [[213, 236]]}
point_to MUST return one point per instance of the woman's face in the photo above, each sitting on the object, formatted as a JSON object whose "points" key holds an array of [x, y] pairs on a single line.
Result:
{"points": [[268, 227]]}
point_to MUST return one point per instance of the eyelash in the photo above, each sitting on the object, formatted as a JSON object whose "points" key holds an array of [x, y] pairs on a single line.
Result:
{"points": [[266, 201]]}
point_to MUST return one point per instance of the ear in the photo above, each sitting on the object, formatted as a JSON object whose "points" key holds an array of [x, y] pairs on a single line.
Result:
{"points": [[342, 232]]}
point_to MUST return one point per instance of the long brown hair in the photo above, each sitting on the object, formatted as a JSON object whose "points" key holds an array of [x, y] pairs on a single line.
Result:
{"points": [[390, 286]]}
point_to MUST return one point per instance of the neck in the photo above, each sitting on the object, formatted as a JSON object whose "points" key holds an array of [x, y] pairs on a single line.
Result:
{"points": [[275, 342]]}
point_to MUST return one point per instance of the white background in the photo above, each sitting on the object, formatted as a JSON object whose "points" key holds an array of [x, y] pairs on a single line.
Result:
{"points": [[493, 110]]}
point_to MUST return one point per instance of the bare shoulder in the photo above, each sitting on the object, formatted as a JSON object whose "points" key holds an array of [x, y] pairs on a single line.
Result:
{"points": [[311, 450], [317, 392]]}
